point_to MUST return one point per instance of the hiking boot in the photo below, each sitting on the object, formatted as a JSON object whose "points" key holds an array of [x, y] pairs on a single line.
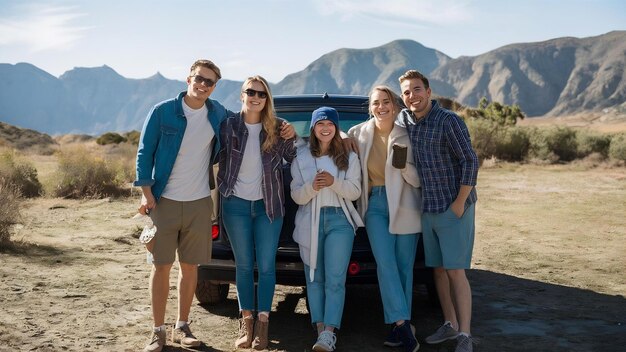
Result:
{"points": [[157, 341], [464, 344], [325, 342], [443, 333], [260, 335], [184, 337], [246, 332], [405, 335], [392, 338]]}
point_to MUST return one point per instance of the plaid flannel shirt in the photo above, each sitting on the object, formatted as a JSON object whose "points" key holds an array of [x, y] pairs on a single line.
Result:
{"points": [[443, 155], [233, 136]]}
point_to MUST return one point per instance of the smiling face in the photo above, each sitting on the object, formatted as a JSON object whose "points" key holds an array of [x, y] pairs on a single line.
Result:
{"points": [[199, 92], [253, 103], [381, 105], [416, 96], [325, 131]]}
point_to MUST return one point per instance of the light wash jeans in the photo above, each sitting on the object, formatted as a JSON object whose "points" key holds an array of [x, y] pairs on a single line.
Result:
{"points": [[326, 294], [252, 234], [394, 256]]}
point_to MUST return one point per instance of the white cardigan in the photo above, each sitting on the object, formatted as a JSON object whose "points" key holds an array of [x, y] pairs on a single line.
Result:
{"points": [[402, 186], [347, 185]]}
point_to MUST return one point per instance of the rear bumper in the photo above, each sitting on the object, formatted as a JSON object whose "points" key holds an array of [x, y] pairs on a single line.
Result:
{"points": [[292, 273]]}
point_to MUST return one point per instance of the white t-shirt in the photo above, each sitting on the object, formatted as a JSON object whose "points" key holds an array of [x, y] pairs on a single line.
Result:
{"points": [[189, 179], [327, 197], [248, 185]]}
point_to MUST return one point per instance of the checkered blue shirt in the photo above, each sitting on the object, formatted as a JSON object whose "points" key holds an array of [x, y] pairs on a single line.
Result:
{"points": [[443, 155]]}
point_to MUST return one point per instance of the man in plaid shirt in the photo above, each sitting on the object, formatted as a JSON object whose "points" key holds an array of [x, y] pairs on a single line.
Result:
{"points": [[448, 167]]}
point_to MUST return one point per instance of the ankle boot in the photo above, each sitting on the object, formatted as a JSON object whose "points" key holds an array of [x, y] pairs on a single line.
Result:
{"points": [[246, 328], [260, 335]]}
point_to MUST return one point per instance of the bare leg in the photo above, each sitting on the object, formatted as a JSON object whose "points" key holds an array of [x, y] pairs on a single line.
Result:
{"points": [[159, 290], [187, 281], [445, 297], [462, 293]]}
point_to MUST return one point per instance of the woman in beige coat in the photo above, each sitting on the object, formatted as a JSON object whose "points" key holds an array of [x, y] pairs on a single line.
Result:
{"points": [[390, 206]]}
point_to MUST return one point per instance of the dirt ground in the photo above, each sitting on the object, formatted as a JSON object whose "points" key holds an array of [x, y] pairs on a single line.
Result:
{"points": [[548, 275]]}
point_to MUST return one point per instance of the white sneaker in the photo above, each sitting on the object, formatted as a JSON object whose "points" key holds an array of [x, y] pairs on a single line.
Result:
{"points": [[325, 342]]}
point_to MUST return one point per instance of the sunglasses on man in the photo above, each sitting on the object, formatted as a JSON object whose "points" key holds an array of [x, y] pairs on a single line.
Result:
{"points": [[202, 80], [251, 92]]}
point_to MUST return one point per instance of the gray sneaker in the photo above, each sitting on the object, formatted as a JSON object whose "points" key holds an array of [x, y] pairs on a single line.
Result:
{"points": [[464, 344], [445, 332], [184, 337], [157, 341]]}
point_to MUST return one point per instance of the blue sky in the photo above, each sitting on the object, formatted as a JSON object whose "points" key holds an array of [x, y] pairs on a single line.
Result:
{"points": [[275, 37]]}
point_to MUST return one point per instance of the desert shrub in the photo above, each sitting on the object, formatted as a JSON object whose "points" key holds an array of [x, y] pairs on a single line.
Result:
{"points": [[82, 174], [617, 149], [484, 134], [20, 174], [589, 142], [122, 159], [512, 144], [110, 138], [9, 211], [133, 137], [553, 144], [502, 114]]}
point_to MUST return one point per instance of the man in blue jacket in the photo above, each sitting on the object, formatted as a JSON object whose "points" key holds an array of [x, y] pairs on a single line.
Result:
{"points": [[178, 146]]}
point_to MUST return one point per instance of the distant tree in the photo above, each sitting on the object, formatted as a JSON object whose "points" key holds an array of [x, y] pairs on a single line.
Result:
{"points": [[110, 138], [133, 137], [503, 115]]}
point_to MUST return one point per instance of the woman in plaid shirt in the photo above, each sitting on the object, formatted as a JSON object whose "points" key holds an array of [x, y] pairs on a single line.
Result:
{"points": [[250, 181]]}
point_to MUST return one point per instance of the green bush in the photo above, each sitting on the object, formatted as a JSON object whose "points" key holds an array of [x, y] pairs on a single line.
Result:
{"points": [[133, 137], [589, 142], [20, 174], [110, 138], [84, 175], [617, 149], [9, 211], [513, 144], [484, 134], [553, 144]]}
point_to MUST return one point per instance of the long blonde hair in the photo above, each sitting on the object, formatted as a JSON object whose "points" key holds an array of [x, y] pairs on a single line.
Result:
{"points": [[268, 115]]}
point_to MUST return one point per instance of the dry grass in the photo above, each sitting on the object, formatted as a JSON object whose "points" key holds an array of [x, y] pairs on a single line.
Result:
{"points": [[560, 224]]}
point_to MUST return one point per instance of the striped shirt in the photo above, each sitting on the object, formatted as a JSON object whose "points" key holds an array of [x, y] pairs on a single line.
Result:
{"points": [[233, 136], [443, 155]]}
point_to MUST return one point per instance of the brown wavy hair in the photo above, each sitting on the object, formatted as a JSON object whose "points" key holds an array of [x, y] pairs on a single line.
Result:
{"points": [[268, 115], [335, 150]]}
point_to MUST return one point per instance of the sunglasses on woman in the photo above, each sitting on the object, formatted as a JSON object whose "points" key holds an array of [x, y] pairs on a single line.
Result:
{"points": [[251, 92], [202, 80]]}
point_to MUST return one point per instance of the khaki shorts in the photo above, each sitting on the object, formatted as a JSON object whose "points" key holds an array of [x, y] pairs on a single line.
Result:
{"points": [[183, 227]]}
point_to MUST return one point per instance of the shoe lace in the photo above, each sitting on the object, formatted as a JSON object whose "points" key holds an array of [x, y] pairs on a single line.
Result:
{"points": [[186, 331], [328, 338]]}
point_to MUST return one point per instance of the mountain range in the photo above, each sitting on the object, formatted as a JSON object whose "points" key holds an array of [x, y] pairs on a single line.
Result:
{"points": [[552, 78]]}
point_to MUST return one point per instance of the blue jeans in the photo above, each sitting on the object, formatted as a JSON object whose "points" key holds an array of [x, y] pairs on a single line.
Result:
{"points": [[252, 235], [394, 256], [326, 294]]}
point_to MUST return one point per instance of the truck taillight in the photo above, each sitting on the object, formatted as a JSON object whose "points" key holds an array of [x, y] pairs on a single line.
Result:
{"points": [[354, 268], [215, 232]]}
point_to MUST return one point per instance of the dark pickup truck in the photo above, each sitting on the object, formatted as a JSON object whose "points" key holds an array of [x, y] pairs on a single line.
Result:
{"points": [[214, 278]]}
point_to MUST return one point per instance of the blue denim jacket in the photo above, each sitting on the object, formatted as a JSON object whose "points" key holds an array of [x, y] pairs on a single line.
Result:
{"points": [[161, 137]]}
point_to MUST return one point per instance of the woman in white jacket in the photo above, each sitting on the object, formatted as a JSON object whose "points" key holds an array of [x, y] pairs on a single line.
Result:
{"points": [[390, 205], [325, 182]]}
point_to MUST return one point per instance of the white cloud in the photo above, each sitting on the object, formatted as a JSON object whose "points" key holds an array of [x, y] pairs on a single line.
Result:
{"points": [[42, 28], [403, 12]]}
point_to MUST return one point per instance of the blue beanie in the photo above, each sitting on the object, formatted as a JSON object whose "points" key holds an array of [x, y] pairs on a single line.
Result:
{"points": [[325, 113]]}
